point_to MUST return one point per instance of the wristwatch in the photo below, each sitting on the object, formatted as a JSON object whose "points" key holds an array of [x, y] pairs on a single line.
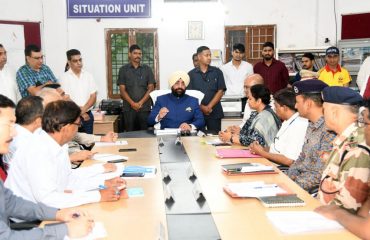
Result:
{"points": [[231, 139]]}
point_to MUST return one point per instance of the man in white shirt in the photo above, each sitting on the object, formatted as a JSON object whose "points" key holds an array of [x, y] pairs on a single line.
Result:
{"points": [[41, 171], [289, 140], [81, 87], [236, 71], [28, 112], [8, 84]]}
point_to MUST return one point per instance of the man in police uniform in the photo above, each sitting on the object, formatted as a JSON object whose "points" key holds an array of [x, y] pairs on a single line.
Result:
{"points": [[344, 181]]}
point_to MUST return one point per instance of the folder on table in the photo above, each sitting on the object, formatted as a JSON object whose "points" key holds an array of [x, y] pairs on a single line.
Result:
{"points": [[235, 153], [247, 168], [282, 201]]}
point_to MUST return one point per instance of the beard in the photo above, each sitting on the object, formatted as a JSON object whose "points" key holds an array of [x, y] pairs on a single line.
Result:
{"points": [[178, 92], [267, 57]]}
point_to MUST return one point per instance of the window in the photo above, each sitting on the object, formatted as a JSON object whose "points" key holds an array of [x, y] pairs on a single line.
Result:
{"points": [[252, 37], [118, 43]]}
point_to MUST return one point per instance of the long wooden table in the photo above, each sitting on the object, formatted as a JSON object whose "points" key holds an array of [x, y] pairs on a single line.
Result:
{"points": [[139, 218]]}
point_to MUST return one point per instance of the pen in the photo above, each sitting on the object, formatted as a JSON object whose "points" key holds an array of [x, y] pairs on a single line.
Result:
{"points": [[102, 187]]}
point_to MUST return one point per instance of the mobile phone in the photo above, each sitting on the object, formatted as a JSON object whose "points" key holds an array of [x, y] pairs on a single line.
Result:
{"points": [[117, 160], [127, 150], [133, 174]]}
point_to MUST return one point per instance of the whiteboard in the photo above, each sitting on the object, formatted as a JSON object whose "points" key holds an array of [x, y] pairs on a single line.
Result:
{"points": [[12, 38]]}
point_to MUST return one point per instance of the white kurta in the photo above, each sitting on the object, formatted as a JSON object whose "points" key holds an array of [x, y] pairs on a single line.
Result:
{"points": [[8, 84], [78, 88], [234, 77], [41, 172], [363, 75], [290, 137]]}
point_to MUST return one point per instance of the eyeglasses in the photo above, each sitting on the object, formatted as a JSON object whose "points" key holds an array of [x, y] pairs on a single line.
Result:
{"points": [[79, 124]]}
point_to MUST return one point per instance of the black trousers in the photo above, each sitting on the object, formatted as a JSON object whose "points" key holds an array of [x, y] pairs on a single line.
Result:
{"points": [[213, 125], [135, 121]]}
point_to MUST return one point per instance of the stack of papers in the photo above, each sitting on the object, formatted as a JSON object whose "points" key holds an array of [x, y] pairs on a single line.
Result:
{"points": [[255, 189], [105, 157], [109, 144], [245, 168], [97, 233], [217, 142], [301, 222]]}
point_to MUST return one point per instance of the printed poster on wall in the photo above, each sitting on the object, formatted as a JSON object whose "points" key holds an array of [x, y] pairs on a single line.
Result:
{"points": [[108, 8]]}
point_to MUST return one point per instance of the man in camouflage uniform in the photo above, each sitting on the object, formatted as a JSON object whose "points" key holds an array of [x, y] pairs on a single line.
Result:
{"points": [[345, 179], [307, 169]]}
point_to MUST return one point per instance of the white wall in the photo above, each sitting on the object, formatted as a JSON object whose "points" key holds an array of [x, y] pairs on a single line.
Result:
{"points": [[300, 23]]}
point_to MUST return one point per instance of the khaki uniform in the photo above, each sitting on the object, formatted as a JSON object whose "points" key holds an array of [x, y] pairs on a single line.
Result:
{"points": [[345, 179]]}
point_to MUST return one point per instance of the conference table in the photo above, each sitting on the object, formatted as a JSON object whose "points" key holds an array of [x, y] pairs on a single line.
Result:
{"points": [[235, 218]]}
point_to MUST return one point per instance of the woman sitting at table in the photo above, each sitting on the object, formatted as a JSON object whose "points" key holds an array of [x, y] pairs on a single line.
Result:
{"points": [[262, 125]]}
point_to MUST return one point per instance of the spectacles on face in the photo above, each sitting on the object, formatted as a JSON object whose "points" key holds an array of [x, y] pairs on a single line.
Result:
{"points": [[361, 122], [79, 124]]}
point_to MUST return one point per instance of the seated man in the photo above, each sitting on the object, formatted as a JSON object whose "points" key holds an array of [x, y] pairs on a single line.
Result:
{"points": [[307, 169], [345, 179], [357, 224], [12, 206], [28, 112], [177, 109], [41, 170], [54, 92], [288, 141]]}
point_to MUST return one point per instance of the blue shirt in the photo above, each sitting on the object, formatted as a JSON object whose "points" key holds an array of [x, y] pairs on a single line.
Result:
{"points": [[27, 77], [183, 109], [208, 83]]}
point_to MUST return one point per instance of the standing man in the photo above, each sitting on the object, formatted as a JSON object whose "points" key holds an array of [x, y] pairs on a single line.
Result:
{"points": [[236, 71], [81, 87], [8, 84], [135, 82], [210, 81], [34, 75], [273, 71], [308, 60], [333, 74], [195, 60], [345, 179]]}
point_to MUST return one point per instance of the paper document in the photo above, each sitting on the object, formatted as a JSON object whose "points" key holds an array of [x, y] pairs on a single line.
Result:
{"points": [[256, 167], [167, 131], [108, 144], [97, 233], [255, 189], [105, 157], [294, 222]]}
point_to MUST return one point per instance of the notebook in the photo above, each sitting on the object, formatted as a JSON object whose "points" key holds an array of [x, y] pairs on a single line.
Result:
{"points": [[247, 168], [282, 201], [235, 153], [256, 189]]}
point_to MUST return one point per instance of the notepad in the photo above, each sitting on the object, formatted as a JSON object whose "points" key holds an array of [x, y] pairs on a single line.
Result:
{"points": [[135, 192], [247, 168], [295, 222], [235, 153], [256, 189], [282, 201], [109, 144]]}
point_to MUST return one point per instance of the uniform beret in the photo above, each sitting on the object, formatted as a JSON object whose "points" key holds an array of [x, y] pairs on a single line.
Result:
{"points": [[309, 86], [175, 76], [341, 95], [332, 50]]}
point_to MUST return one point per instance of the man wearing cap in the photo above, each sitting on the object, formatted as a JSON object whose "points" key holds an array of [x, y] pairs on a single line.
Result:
{"points": [[345, 179], [307, 169], [333, 74], [210, 81], [177, 109]]}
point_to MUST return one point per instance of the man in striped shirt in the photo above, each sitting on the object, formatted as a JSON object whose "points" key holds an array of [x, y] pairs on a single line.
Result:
{"points": [[34, 75]]}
